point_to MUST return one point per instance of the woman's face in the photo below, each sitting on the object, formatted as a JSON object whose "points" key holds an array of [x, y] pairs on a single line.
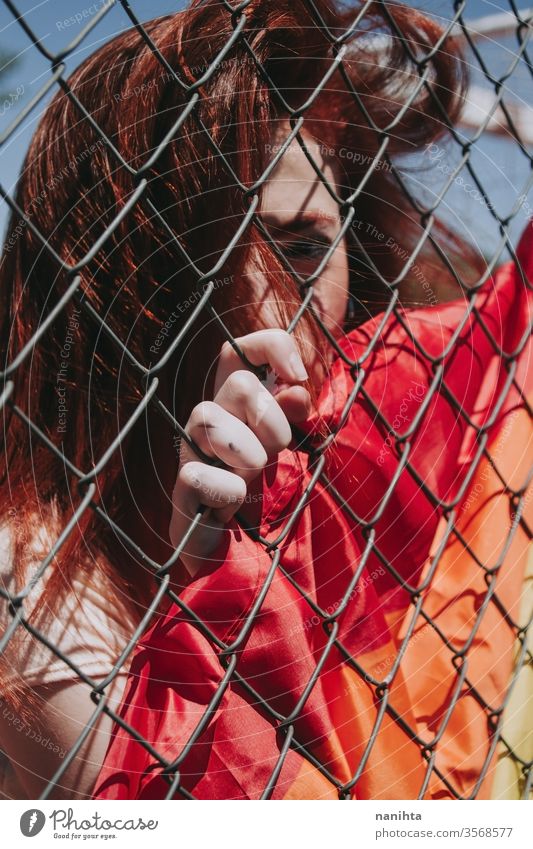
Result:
{"points": [[304, 220]]}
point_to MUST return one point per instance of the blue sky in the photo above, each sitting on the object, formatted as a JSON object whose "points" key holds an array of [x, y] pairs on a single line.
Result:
{"points": [[498, 161]]}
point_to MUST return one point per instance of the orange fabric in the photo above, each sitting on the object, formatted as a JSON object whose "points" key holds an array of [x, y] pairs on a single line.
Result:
{"points": [[516, 747], [424, 709]]}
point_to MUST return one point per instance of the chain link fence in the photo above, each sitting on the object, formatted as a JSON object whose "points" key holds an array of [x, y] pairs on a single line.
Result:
{"points": [[400, 444]]}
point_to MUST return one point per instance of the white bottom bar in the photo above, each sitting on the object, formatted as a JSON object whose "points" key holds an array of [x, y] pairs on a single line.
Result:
{"points": [[282, 825]]}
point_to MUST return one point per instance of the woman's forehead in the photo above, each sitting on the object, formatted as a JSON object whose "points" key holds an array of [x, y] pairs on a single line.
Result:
{"points": [[294, 184]]}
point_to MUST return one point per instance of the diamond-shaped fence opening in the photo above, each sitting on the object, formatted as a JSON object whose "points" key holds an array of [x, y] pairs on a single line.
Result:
{"points": [[361, 628]]}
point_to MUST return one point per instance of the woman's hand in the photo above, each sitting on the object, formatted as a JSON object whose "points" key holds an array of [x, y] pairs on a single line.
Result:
{"points": [[244, 426]]}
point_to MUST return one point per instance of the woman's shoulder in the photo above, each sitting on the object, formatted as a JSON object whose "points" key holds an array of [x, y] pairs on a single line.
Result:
{"points": [[25, 543], [6, 553], [89, 625], [37, 535]]}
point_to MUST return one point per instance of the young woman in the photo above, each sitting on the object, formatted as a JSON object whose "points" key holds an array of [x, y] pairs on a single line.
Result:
{"points": [[307, 714]]}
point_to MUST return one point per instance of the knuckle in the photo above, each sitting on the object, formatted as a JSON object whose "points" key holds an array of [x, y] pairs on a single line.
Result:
{"points": [[240, 492], [256, 464], [284, 435], [242, 383], [203, 415], [280, 333], [226, 349], [278, 336], [190, 475], [280, 430], [287, 436], [240, 489]]}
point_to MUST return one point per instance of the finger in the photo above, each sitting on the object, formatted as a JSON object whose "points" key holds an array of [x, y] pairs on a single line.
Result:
{"points": [[274, 347], [220, 434], [295, 402], [199, 484], [244, 396]]}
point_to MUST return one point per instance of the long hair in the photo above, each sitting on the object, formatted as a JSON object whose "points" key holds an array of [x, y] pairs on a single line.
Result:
{"points": [[78, 388]]}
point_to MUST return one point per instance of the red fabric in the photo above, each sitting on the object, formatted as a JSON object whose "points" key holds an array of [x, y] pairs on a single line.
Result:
{"points": [[176, 670]]}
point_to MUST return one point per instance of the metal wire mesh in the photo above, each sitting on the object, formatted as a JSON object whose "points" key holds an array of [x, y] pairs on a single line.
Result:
{"points": [[86, 498]]}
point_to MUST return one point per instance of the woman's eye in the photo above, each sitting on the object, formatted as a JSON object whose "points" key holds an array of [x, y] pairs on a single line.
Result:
{"points": [[306, 249]]}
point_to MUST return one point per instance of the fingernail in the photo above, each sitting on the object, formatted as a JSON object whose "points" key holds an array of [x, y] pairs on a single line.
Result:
{"points": [[263, 403], [297, 367]]}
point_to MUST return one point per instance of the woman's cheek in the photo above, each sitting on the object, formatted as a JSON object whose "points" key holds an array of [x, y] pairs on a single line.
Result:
{"points": [[332, 293]]}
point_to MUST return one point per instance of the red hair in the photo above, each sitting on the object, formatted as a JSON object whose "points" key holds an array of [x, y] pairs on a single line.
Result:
{"points": [[140, 274]]}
